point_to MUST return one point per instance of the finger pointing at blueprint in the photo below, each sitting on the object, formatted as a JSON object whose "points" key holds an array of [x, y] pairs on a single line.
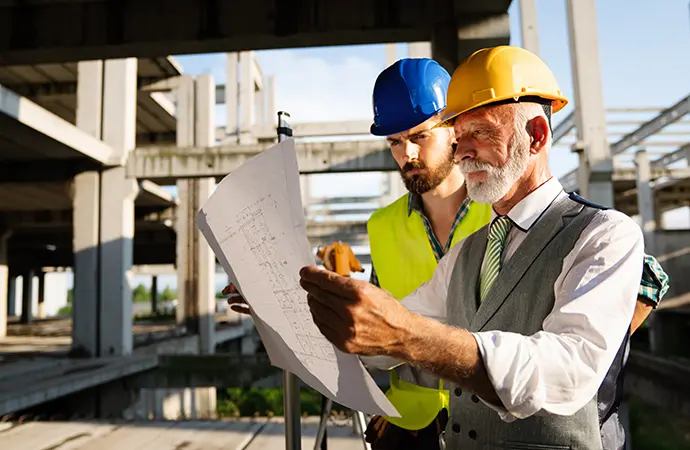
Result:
{"points": [[254, 222]]}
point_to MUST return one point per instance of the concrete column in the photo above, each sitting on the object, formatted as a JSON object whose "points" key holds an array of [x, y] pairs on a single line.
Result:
{"points": [[205, 287], [154, 294], [41, 313], [5, 299], [86, 197], [305, 188], [246, 97], [231, 100], [260, 105], [419, 49], [270, 90], [590, 117], [645, 199], [529, 25], [117, 209], [195, 260], [27, 296], [391, 54], [185, 138], [86, 241], [11, 295]]}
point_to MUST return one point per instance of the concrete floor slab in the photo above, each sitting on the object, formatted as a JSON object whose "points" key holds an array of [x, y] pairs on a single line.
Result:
{"points": [[246, 434]]}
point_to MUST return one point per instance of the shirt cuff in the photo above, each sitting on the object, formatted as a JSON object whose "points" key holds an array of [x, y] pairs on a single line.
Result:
{"points": [[380, 362], [654, 283], [504, 362]]}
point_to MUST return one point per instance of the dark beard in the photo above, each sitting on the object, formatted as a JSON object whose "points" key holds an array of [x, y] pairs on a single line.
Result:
{"points": [[421, 183]]}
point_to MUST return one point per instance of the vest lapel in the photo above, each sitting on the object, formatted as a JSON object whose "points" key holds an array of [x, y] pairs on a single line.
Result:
{"points": [[515, 268], [466, 272]]}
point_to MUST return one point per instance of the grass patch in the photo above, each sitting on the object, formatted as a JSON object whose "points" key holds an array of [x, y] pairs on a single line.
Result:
{"points": [[238, 402]]}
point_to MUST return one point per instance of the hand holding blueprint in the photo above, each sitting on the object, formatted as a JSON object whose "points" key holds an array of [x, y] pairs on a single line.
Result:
{"points": [[255, 224]]}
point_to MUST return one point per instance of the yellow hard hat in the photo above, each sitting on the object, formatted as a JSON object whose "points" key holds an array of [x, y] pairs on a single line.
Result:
{"points": [[491, 75]]}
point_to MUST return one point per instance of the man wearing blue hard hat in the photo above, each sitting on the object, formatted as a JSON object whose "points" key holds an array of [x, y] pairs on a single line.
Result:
{"points": [[409, 237]]}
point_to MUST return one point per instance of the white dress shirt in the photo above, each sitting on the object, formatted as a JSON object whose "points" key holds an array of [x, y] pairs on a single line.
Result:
{"points": [[560, 369]]}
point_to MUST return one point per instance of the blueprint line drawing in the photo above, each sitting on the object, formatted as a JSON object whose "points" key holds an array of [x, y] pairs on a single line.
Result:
{"points": [[254, 223]]}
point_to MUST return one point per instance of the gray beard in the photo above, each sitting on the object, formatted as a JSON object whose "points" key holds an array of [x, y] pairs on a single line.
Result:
{"points": [[499, 179]]}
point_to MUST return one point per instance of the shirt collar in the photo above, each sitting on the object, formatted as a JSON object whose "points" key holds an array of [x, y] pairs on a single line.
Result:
{"points": [[530, 209], [415, 203]]}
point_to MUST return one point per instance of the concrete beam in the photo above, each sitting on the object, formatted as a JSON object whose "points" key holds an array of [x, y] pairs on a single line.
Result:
{"points": [[267, 131], [656, 124], [165, 164], [50, 32], [644, 131], [62, 89], [564, 127], [666, 160], [22, 388], [33, 116]]}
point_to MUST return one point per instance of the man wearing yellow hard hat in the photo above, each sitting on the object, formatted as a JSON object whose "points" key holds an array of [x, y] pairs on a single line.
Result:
{"points": [[538, 303]]}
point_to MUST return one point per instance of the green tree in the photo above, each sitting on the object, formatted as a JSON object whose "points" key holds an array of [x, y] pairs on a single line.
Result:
{"points": [[167, 294], [141, 294]]}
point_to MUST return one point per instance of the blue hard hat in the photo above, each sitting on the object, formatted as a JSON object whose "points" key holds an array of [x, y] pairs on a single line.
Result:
{"points": [[408, 93]]}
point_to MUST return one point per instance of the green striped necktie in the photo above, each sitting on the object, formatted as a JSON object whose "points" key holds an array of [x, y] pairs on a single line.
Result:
{"points": [[492, 258]]}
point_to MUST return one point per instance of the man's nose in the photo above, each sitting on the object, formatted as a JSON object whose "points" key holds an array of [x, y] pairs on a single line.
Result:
{"points": [[464, 152], [411, 150]]}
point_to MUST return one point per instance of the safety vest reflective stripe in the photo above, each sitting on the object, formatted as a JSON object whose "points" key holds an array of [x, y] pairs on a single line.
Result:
{"points": [[403, 258]]}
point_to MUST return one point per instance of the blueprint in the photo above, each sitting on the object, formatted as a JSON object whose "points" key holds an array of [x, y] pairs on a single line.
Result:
{"points": [[255, 224]]}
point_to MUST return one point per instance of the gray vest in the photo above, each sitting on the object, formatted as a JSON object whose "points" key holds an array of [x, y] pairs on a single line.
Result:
{"points": [[519, 301]]}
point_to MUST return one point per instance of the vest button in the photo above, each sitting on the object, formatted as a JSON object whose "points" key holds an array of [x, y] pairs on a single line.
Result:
{"points": [[475, 399], [456, 427], [472, 434], [458, 392]]}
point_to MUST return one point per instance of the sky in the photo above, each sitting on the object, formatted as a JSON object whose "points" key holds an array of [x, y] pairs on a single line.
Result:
{"points": [[643, 52]]}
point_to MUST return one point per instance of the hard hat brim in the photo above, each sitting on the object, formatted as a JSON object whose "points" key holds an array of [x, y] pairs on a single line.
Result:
{"points": [[557, 104]]}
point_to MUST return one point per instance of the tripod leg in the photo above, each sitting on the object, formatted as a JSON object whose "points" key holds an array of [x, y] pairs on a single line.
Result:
{"points": [[361, 423], [326, 405]]}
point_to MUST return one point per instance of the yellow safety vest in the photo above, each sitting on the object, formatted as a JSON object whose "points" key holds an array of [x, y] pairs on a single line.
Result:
{"points": [[403, 258]]}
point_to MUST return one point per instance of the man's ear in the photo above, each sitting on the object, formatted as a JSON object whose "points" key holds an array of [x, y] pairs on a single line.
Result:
{"points": [[538, 129]]}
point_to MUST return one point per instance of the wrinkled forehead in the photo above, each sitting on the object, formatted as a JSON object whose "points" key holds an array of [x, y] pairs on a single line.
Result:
{"points": [[488, 116]]}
